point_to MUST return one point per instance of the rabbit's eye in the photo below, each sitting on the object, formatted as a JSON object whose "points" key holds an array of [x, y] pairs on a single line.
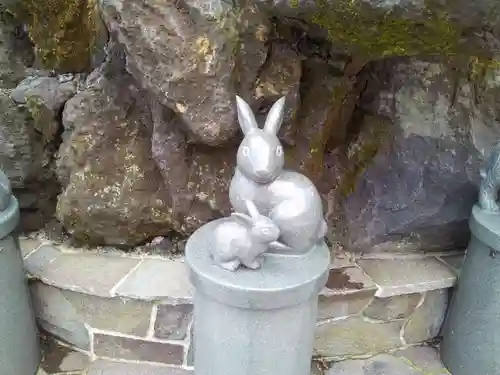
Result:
{"points": [[265, 231], [245, 150], [279, 150]]}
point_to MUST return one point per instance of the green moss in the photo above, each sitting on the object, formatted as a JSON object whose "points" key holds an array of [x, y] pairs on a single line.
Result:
{"points": [[363, 151], [43, 118], [314, 161], [63, 31], [375, 34]]}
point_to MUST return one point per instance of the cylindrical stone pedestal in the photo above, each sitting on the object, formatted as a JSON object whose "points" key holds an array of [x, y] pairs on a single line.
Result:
{"points": [[471, 333], [258, 322], [19, 348]]}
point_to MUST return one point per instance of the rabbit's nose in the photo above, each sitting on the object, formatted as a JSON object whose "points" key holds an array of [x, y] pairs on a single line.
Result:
{"points": [[262, 173]]}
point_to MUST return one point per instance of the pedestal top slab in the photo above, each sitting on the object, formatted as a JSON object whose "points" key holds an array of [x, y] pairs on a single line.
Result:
{"points": [[281, 281]]}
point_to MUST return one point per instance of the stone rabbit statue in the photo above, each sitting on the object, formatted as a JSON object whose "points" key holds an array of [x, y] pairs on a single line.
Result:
{"points": [[241, 239], [289, 198], [490, 183]]}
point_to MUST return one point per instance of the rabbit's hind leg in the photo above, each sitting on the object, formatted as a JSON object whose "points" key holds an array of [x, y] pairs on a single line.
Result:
{"points": [[252, 264], [231, 265]]}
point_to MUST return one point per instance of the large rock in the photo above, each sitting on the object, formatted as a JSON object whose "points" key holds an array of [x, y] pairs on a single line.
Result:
{"points": [[279, 77], [377, 29], [16, 53], [197, 177], [29, 130], [185, 53], [129, 174], [413, 170], [68, 34], [114, 192]]}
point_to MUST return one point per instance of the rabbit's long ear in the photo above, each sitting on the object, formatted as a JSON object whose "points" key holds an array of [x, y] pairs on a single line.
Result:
{"points": [[246, 118], [274, 118], [243, 219], [252, 209]]}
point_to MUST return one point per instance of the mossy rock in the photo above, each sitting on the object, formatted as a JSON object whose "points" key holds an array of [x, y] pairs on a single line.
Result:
{"points": [[375, 33], [64, 32], [375, 133]]}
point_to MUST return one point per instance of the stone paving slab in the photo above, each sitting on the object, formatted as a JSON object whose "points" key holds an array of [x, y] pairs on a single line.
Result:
{"points": [[86, 273], [158, 280], [421, 360], [103, 367], [397, 277], [413, 361]]}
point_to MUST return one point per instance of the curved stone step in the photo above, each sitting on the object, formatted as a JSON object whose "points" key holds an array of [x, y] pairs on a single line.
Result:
{"points": [[138, 308]]}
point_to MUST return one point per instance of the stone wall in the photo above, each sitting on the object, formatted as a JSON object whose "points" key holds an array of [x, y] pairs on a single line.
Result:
{"points": [[139, 307], [124, 128]]}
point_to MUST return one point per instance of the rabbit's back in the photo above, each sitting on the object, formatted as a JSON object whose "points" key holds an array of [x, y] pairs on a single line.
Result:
{"points": [[227, 237], [289, 186], [291, 201]]}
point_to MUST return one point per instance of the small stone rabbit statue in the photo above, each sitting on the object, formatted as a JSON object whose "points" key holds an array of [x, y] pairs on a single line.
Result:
{"points": [[241, 239], [289, 198], [490, 183]]}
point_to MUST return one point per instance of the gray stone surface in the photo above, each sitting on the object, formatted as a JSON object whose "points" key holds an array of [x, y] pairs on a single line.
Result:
{"points": [[348, 279], [139, 350], [382, 364], [172, 321], [87, 273], [280, 76], [424, 358], [103, 367], [112, 314], [30, 129], [158, 280], [348, 290], [454, 261], [426, 155], [396, 277], [340, 305], [15, 52], [37, 261], [425, 323], [412, 361], [28, 245], [355, 336], [108, 128], [56, 315], [58, 358], [52, 92], [341, 260], [180, 71], [26, 158], [463, 12], [390, 308]]}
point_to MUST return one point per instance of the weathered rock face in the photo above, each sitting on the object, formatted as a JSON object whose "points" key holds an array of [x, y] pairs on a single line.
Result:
{"points": [[15, 51], [184, 53], [393, 142], [417, 157], [29, 132], [68, 35], [29, 125], [114, 192]]}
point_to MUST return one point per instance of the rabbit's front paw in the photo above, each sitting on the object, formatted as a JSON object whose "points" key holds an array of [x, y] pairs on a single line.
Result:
{"points": [[232, 265]]}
